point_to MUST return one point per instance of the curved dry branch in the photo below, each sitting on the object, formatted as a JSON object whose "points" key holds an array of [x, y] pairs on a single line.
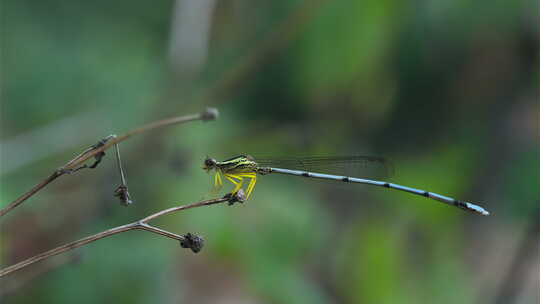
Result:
{"points": [[75, 163], [140, 225]]}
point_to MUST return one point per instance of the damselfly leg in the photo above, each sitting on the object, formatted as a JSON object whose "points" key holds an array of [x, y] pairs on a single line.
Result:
{"points": [[238, 179]]}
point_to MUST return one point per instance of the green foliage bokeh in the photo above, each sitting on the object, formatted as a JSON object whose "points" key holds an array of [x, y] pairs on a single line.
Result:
{"points": [[446, 89]]}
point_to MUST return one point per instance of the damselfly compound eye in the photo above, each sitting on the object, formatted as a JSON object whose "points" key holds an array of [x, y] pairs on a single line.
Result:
{"points": [[210, 163]]}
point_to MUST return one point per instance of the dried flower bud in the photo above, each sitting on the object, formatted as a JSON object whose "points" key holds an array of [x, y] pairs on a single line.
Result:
{"points": [[122, 193], [210, 114], [192, 241], [239, 197]]}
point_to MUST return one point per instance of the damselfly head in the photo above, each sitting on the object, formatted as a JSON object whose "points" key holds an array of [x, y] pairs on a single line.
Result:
{"points": [[209, 164]]}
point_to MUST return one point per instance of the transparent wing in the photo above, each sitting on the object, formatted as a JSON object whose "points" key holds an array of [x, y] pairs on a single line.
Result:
{"points": [[360, 166]]}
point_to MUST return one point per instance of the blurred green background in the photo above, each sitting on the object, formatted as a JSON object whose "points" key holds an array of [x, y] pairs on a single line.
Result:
{"points": [[448, 90]]}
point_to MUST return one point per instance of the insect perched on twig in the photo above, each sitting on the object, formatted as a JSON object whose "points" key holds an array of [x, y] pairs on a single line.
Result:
{"points": [[242, 167]]}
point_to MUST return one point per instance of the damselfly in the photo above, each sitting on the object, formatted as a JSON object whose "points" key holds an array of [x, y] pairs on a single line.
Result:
{"points": [[245, 166]]}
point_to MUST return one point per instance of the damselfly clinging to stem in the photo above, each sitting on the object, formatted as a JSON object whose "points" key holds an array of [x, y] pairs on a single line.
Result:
{"points": [[243, 167]]}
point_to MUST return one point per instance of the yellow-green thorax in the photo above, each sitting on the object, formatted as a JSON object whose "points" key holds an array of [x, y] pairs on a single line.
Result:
{"points": [[238, 164]]}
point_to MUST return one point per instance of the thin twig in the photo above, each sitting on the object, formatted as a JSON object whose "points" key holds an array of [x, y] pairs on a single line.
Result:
{"points": [[31, 192], [119, 163], [208, 114], [122, 191], [11, 286], [141, 225]]}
